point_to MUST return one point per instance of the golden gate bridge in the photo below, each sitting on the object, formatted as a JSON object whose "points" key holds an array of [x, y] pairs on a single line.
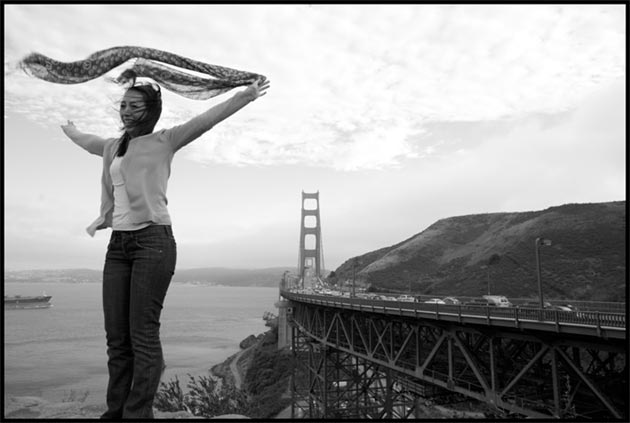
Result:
{"points": [[370, 358]]}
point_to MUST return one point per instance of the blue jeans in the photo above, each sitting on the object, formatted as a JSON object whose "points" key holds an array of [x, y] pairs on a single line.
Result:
{"points": [[138, 270]]}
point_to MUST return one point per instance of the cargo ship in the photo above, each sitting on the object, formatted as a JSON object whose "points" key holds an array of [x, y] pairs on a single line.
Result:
{"points": [[18, 301]]}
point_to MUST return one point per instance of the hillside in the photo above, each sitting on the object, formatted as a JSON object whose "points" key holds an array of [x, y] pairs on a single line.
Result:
{"points": [[459, 255]]}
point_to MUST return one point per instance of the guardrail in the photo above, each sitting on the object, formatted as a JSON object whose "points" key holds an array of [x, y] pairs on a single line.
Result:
{"points": [[549, 320]]}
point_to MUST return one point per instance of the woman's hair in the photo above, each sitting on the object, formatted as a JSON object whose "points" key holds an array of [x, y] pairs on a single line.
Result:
{"points": [[153, 102]]}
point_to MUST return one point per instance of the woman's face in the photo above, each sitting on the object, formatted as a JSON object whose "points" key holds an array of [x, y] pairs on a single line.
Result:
{"points": [[132, 109]]}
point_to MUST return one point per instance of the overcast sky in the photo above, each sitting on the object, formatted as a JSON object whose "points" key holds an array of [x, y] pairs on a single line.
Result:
{"points": [[399, 115]]}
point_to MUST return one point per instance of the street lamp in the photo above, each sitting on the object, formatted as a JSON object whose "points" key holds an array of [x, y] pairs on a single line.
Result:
{"points": [[354, 276], [484, 266], [539, 242]]}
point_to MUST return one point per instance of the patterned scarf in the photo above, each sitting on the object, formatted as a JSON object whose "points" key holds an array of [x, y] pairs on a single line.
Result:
{"points": [[220, 80]]}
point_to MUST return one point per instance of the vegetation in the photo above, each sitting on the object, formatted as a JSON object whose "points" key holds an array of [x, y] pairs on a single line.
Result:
{"points": [[267, 378], [206, 397]]}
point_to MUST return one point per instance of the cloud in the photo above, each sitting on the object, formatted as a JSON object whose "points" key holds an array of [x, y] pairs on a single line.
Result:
{"points": [[352, 88], [528, 163]]}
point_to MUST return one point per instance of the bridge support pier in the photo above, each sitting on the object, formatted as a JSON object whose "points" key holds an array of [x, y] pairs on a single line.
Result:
{"points": [[284, 326]]}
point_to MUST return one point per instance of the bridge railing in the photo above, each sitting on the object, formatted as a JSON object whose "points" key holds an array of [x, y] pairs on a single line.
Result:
{"points": [[595, 319]]}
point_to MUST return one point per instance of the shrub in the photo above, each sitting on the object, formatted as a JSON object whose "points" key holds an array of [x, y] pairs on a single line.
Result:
{"points": [[205, 398]]}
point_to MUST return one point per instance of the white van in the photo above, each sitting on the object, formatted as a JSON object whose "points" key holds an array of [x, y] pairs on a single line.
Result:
{"points": [[498, 300]]}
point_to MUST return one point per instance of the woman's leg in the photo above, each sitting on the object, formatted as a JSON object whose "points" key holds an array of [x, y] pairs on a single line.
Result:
{"points": [[116, 283], [154, 256]]}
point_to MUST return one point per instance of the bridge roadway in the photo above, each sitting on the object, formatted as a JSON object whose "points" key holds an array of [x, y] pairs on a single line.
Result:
{"points": [[374, 358]]}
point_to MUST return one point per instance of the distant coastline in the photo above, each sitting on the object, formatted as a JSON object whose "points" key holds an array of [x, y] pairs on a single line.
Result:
{"points": [[212, 276]]}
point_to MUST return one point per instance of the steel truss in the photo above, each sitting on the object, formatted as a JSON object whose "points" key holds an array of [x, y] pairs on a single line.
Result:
{"points": [[355, 364]]}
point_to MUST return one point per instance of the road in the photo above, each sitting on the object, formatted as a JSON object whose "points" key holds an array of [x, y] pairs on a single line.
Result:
{"points": [[234, 368]]}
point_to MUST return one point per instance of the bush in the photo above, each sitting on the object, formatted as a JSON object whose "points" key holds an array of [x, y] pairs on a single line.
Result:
{"points": [[169, 397], [205, 398]]}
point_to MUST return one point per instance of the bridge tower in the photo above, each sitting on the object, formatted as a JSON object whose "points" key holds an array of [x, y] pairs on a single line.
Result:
{"points": [[310, 259]]}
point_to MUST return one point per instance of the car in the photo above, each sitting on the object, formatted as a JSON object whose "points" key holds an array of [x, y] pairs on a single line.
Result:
{"points": [[383, 297], [559, 308], [498, 300], [434, 301], [451, 300], [572, 307], [407, 298]]}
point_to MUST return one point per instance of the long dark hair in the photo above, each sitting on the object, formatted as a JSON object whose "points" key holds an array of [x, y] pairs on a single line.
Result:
{"points": [[153, 100]]}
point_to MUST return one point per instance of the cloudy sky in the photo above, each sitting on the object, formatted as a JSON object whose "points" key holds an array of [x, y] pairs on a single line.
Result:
{"points": [[399, 115]]}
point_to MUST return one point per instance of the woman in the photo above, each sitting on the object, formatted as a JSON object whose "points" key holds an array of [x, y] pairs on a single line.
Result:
{"points": [[141, 254]]}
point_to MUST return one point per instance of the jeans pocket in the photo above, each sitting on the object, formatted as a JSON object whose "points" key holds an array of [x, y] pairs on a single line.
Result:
{"points": [[151, 244]]}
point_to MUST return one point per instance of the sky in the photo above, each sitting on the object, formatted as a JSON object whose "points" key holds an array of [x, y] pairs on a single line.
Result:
{"points": [[398, 115]]}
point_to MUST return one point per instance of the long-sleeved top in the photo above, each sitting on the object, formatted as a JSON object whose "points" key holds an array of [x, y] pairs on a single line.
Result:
{"points": [[146, 166]]}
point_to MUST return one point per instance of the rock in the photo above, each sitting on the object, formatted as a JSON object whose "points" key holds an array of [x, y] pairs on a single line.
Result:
{"points": [[35, 407], [38, 408], [22, 407], [229, 416], [62, 410]]}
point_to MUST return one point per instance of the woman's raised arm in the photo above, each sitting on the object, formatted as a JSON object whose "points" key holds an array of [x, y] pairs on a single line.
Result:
{"points": [[91, 143], [184, 134]]}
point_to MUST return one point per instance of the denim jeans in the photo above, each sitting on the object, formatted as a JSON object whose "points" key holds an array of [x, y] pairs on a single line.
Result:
{"points": [[138, 270]]}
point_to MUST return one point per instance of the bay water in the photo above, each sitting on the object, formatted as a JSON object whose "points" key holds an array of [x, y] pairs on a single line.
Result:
{"points": [[60, 352]]}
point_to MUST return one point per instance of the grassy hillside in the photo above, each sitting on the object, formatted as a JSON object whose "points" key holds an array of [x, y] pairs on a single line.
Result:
{"points": [[458, 255]]}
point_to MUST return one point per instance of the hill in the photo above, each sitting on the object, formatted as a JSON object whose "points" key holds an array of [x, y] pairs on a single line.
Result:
{"points": [[464, 255], [269, 277]]}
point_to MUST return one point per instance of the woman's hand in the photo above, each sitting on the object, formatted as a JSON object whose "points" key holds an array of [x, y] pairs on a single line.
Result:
{"points": [[68, 127], [257, 89]]}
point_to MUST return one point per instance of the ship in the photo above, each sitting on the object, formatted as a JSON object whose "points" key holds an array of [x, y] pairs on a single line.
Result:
{"points": [[18, 301]]}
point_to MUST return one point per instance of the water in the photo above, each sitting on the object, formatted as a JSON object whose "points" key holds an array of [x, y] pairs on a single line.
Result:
{"points": [[53, 352]]}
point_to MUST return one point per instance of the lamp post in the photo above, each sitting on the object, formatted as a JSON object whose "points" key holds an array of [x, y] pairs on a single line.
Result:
{"points": [[354, 276], [540, 241], [486, 267]]}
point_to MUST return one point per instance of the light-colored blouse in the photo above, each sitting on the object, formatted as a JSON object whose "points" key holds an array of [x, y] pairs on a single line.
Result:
{"points": [[122, 210]]}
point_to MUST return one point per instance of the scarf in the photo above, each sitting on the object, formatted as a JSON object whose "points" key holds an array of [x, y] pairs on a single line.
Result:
{"points": [[220, 79]]}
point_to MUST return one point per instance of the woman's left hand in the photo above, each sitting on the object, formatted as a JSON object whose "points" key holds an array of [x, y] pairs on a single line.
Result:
{"points": [[258, 88]]}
